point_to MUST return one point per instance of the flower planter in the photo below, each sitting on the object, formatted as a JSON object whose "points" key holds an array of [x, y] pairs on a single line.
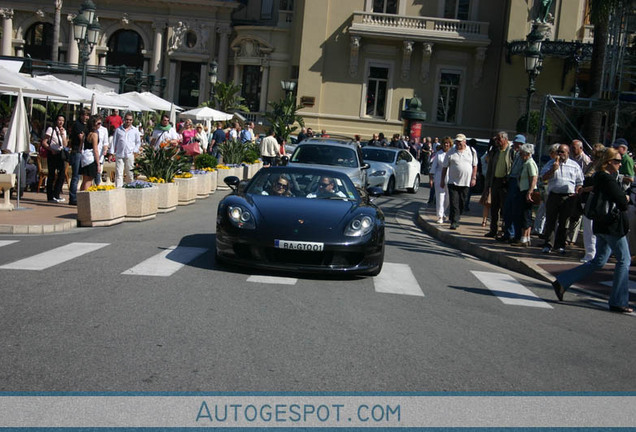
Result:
{"points": [[141, 204], [220, 179], [101, 208], [187, 190], [203, 185], [214, 176], [167, 197]]}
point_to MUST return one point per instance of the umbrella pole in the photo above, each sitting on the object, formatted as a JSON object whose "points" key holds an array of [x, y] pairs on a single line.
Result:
{"points": [[19, 185]]}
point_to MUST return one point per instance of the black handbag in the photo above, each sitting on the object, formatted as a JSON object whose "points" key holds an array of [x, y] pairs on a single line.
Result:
{"points": [[63, 150], [599, 209]]}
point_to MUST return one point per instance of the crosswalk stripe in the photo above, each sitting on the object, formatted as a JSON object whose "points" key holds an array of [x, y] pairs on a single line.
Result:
{"points": [[272, 280], [53, 257], [631, 285], [7, 242], [166, 263], [509, 291], [397, 278]]}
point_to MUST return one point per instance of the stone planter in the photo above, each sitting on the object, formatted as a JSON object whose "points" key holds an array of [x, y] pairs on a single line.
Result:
{"points": [[214, 176], [167, 197], [101, 208], [203, 185], [187, 190], [220, 180], [141, 204]]}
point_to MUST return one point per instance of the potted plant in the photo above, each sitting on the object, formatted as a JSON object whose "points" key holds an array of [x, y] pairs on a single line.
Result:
{"points": [[223, 171], [187, 186], [102, 205], [167, 194], [204, 183], [207, 163], [141, 201]]}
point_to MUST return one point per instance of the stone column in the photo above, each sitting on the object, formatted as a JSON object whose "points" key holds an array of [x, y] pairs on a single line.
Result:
{"points": [[172, 78], [237, 68], [73, 51], [224, 46], [262, 106], [155, 62], [55, 48], [7, 31], [203, 83]]}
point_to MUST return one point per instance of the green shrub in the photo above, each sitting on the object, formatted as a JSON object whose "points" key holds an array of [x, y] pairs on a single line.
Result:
{"points": [[205, 161]]}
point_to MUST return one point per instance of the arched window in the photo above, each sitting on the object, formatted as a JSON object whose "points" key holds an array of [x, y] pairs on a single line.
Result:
{"points": [[39, 41], [124, 48]]}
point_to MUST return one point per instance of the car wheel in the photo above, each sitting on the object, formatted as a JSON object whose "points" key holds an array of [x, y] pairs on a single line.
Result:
{"points": [[390, 188], [416, 184]]}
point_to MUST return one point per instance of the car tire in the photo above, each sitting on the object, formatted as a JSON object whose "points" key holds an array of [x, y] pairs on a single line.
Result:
{"points": [[416, 185], [390, 187]]}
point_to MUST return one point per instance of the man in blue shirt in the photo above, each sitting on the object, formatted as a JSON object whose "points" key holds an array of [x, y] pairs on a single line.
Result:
{"points": [[218, 137]]}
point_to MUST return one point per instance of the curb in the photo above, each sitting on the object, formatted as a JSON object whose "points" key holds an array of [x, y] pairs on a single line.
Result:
{"points": [[494, 257], [38, 229]]}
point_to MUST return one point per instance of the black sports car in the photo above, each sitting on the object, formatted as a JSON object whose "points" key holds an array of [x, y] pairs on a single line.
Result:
{"points": [[300, 219]]}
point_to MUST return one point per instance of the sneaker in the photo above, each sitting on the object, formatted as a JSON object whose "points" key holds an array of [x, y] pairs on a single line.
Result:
{"points": [[561, 251], [454, 226], [490, 234], [59, 200], [546, 250], [72, 203], [440, 220]]}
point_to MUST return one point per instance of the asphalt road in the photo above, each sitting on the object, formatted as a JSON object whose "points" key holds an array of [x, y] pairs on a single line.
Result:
{"points": [[94, 323]]}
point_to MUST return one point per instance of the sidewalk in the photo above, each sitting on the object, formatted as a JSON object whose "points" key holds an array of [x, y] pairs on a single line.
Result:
{"points": [[469, 238], [37, 216]]}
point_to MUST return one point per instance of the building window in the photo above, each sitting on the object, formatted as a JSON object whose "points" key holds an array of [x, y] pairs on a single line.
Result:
{"points": [[124, 48], [189, 84], [385, 6], [266, 9], [39, 41], [377, 83], [286, 5], [457, 9], [447, 101], [251, 87]]}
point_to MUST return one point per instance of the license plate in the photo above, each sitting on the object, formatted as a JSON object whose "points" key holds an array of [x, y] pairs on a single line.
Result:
{"points": [[298, 245]]}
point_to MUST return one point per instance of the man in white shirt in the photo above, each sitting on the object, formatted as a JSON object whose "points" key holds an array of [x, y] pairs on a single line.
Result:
{"points": [[270, 149], [126, 142], [461, 165], [164, 132]]}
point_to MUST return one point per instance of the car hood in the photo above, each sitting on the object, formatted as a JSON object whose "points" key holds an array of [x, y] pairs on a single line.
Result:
{"points": [[309, 219], [379, 166]]}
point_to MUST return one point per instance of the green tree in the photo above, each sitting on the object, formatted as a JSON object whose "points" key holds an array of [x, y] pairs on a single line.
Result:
{"points": [[600, 11], [227, 98], [283, 116]]}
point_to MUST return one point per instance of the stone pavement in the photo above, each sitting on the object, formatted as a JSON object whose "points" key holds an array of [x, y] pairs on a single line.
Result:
{"points": [[469, 238], [37, 216]]}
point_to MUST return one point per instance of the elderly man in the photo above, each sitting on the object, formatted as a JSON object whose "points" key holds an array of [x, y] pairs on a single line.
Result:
{"points": [[126, 142], [578, 155], [500, 162], [511, 213], [565, 178], [460, 164], [627, 166]]}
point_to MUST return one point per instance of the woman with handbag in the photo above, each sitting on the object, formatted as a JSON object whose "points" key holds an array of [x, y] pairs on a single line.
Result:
{"points": [[527, 185], [611, 237], [55, 143]]}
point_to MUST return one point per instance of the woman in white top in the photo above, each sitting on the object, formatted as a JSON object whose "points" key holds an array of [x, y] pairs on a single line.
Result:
{"points": [[55, 142], [435, 174], [201, 137]]}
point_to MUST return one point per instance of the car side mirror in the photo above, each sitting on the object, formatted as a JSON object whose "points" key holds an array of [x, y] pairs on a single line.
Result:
{"points": [[284, 160], [365, 166], [232, 182]]}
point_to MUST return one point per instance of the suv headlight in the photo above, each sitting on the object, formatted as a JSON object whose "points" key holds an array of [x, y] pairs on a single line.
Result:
{"points": [[359, 226], [241, 217], [379, 173]]}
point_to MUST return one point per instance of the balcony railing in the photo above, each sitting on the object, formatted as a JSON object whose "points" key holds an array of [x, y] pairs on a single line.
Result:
{"points": [[414, 26]]}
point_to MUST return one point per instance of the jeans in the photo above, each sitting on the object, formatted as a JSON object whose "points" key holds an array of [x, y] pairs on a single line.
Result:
{"points": [[74, 160], [605, 245]]}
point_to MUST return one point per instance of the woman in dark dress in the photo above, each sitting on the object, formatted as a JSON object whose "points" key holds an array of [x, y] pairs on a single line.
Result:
{"points": [[90, 152]]}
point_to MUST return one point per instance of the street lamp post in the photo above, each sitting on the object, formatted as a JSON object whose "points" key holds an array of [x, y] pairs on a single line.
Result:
{"points": [[86, 27], [534, 64], [288, 86], [213, 75]]}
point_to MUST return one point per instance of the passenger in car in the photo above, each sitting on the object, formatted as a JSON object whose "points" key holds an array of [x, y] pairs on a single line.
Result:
{"points": [[326, 188], [279, 187]]}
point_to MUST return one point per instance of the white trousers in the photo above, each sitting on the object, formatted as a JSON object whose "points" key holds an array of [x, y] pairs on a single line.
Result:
{"points": [[589, 239], [441, 200], [123, 168]]}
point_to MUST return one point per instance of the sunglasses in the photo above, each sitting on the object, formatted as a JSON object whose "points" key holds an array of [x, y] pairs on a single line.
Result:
{"points": [[560, 151], [283, 185], [617, 161], [324, 185]]}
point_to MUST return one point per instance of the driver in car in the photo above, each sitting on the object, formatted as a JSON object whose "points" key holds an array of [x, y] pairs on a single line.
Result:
{"points": [[279, 187], [326, 189]]}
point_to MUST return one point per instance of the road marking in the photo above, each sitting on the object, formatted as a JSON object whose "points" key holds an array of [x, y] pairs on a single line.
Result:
{"points": [[7, 242], [631, 285], [605, 306], [397, 279], [167, 262], [509, 291], [54, 257], [272, 280]]}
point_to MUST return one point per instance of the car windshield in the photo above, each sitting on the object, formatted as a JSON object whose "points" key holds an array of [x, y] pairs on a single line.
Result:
{"points": [[302, 184], [325, 155], [371, 154]]}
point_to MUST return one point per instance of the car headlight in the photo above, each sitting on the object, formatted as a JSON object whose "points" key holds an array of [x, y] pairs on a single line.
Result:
{"points": [[359, 226], [380, 173], [241, 217]]}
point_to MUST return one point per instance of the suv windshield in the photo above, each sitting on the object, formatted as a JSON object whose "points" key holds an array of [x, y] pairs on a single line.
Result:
{"points": [[325, 155]]}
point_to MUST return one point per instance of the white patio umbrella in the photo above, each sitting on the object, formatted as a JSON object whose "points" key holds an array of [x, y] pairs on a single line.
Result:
{"points": [[94, 104], [11, 82], [158, 103], [17, 137]]}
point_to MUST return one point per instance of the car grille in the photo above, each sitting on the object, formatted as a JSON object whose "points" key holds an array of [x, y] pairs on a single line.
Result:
{"points": [[275, 256]]}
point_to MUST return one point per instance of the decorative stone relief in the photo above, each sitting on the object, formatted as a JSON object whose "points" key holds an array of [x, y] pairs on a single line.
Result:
{"points": [[427, 52], [125, 20], [354, 55], [480, 57], [407, 51], [189, 36], [40, 13], [6, 13]]}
